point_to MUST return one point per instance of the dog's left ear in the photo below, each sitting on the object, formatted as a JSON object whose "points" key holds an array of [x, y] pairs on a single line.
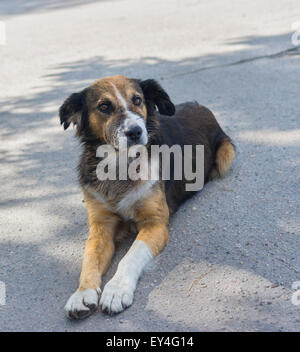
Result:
{"points": [[72, 109], [156, 96]]}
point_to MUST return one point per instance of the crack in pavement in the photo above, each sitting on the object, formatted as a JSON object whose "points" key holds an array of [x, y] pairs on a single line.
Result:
{"points": [[287, 52]]}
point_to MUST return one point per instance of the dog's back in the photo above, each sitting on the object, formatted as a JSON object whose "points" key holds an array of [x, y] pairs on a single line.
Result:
{"points": [[194, 124]]}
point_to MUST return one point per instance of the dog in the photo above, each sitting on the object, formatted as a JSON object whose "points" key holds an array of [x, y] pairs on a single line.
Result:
{"points": [[141, 113]]}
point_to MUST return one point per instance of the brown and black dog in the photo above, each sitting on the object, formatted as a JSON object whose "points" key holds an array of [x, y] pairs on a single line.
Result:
{"points": [[105, 112]]}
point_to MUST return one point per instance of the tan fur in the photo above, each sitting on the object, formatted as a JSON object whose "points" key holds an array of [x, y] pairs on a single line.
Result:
{"points": [[224, 158], [152, 220], [100, 246], [97, 124]]}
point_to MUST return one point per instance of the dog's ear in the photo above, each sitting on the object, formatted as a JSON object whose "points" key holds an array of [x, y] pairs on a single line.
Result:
{"points": [[72, 109], [156, 96]]}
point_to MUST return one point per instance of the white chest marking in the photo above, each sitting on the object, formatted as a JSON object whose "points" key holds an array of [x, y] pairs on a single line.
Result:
{"points": [[125, 206]]}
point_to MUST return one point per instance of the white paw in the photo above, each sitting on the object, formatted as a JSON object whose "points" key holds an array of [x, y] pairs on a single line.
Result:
{"points": [[82, 303], [117, 294]]}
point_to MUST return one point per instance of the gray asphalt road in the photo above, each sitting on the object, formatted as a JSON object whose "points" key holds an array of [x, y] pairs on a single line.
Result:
{"points": [[234, 249]]}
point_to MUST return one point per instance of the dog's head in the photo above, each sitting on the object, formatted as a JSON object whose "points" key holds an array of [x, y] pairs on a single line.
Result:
{"points": [[115, 109]]}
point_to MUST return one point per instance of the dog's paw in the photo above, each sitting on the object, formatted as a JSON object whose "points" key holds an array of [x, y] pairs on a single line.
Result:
{"points": [[117, 295], [83, 303]]}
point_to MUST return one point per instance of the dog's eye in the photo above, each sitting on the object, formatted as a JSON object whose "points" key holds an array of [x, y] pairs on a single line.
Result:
{"points": [[104, 107], [137, 100]]}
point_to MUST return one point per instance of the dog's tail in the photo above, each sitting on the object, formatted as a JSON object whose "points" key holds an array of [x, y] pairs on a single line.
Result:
{"points": [[224, 157]]}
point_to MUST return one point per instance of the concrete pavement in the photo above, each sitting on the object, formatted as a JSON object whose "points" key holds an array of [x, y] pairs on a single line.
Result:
{"points": [[234, 249]]}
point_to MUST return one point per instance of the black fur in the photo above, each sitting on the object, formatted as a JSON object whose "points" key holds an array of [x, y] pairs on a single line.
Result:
{"points": [[156, 96], [192, 124], [72, 109]]}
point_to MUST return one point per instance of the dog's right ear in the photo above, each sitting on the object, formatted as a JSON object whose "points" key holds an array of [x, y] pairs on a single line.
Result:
{"points": [[72, 109]]}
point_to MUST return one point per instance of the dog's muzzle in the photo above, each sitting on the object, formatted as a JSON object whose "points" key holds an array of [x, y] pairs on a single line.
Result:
{"points": [[132, 132]]}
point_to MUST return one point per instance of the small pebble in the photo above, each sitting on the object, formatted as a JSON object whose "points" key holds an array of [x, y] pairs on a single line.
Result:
{"points": [[276, 284]]}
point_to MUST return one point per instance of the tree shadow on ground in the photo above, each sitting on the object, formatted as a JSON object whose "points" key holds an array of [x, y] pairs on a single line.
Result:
{"points": [[21, 7], [224, 230]]}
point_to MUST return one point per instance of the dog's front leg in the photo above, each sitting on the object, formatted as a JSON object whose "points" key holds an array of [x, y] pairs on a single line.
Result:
{"points": [[152, 220], [98, 252]]}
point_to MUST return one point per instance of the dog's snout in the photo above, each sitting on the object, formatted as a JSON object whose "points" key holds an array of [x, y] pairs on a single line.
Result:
{"points": [[134, 133]]}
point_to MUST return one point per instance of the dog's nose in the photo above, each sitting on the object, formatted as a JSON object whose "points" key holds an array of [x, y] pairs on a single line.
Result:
{"points": [[134, 133]]}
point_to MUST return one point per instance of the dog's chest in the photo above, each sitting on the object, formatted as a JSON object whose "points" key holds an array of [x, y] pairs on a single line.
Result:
{"points": [[124, 203], [120, 196]]}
